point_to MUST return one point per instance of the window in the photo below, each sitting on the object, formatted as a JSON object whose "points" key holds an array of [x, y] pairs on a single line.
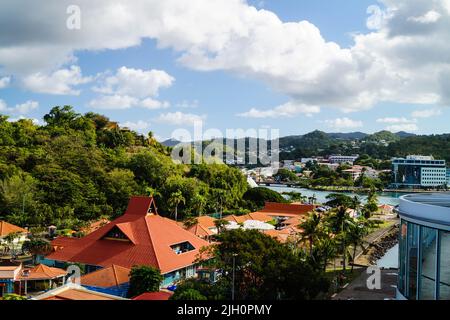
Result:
{"points": [[413, 235], [182, 247], [116, 234], [428, 263], [444, 266], [402, 258]]}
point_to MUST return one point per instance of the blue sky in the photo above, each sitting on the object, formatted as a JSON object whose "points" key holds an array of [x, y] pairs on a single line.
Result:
{"points": [[222, 93]]}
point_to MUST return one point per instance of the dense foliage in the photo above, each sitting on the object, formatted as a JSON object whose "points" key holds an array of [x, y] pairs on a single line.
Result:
{"points": [[264, 269], [77, 168], [144, 279]]}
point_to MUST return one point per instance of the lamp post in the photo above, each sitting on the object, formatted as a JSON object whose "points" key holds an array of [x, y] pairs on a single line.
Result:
{"points": [[232, 285]]}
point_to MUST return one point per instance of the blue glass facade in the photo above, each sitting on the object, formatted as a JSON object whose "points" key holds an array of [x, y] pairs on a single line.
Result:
{"points": [[407, 173]]}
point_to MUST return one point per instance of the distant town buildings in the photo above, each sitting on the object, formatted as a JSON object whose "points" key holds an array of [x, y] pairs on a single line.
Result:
{"points": [[419, 172], [339, 159]]}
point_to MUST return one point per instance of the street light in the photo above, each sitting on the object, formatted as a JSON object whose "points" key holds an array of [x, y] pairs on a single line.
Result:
{"points": [[234, 267]]}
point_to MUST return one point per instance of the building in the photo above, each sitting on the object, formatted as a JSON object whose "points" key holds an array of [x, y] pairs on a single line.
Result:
{"points": [[71, 291], [424, 247], [139, 237], [357, 171], [114, 280], [205, 227], [339, 159], [9, 274], [161, 295], [7, 229], [39, 278], [284, 211], [448, 177], [418, 172]]}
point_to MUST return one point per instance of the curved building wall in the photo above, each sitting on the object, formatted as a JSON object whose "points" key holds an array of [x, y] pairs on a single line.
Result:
{"points": [[424, 247]]}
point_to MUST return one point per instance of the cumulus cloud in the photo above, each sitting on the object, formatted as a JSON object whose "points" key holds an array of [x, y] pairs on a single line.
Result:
{"points": [[395, 120], [179, 118], [428, 113], [4, 82], [59, 82], [286, 110], [399, 124], [405, 58], [23, 108], [408, 127], [185, 104], [343, 123], [130, 87], [139, 126]]}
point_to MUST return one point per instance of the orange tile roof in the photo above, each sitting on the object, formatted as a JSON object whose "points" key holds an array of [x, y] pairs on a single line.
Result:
{"points": [[152, 237], [95, 226], [287, 209], [7, 228], [108, 277], [237, 219], [200, 231], [161, 295], [43, 272], [206, 221], [74, 292], [260, 216]]}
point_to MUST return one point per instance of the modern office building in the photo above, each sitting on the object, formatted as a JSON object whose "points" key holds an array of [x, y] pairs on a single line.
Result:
{"points": [[343, 159], [424, 247], [448, 177], [418, 172]]}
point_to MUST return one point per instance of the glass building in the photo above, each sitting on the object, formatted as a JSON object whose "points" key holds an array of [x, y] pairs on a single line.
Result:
{"points": [[424, 247], [418, 172]]}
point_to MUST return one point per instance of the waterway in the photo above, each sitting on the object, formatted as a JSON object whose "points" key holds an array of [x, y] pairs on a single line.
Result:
{"points": [[390, 198], [390, 259]]}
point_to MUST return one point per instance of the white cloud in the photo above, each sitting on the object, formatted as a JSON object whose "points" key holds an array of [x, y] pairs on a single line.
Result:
{"points": [[430, 17], [129, 88], [114, 102], [139, 126], [286, 110], [428, 113], [408, 127], [185, 104], [34, 120], [395, 120], [403, 59], [60, 82], [4, 82], [23, 108], [180, 118], [344, 123], [135, 82]]}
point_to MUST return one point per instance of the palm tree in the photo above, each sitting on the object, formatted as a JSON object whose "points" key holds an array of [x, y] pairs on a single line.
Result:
{"points": [[355, 235], [326, 250], [174, 201], [199, 202], [340, 222], [311, 229], [220, 224]]}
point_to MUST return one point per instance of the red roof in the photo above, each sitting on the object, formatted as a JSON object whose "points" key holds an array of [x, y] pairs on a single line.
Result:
{"points": [[151, 237], [112, 276], [43, 272], [7, 228], [287, 209], [161, 295]]}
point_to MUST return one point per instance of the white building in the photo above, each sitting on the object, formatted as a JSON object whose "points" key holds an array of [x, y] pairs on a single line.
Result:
{"points": [[343, 159]]}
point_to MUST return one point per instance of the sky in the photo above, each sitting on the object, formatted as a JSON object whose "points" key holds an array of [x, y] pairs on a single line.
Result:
{"points": [[291, 65]]}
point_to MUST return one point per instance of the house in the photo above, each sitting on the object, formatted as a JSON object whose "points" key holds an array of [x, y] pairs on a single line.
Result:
{"points": [[205, 227], [113, 280], [39, 278], [7, 229], [160, 295], [71, 291], [256, 216], [139, 237], [284, 211], [9, 273]]}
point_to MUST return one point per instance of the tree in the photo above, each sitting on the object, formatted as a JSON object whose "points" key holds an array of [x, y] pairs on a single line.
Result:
{"points": [[311, 229], [264, 269], [12, 296], [371, 205], [144, 279], [257, 197], [188, 294], [10, 241], [174, 201], [221, 224], [356, 233], [37, 246]]}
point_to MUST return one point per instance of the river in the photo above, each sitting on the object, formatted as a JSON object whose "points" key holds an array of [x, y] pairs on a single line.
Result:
{"points": [[390, 198]]}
